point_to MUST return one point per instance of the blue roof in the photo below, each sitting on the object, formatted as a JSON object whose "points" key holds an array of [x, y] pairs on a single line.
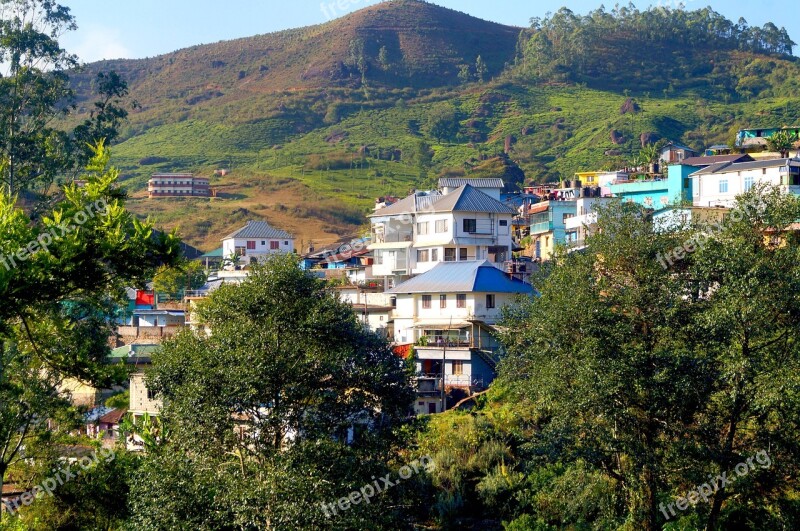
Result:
{"points": [[477, 276]]}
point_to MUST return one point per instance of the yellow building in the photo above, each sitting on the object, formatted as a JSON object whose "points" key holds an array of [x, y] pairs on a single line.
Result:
{"points": [[588, 178]]}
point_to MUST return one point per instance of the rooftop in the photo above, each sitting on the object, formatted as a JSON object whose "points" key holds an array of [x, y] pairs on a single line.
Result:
{"points": [[728, 167], [466, 198], [259, 229], [478, 276], [715, 159], [470, 199], [457, 182]]}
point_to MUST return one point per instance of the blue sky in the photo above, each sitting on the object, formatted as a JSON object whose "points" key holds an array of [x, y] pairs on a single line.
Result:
{"points": [[145, 28]]}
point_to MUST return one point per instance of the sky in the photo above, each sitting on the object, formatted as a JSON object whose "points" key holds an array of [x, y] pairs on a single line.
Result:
{"points": [[146, 28]]}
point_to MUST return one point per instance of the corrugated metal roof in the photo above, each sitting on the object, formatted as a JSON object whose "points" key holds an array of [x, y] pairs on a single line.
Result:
{"points": [[478, 276], [458, 182], [727, 167], [715, 159], [416, 202], [259, 229], [469, 199]]}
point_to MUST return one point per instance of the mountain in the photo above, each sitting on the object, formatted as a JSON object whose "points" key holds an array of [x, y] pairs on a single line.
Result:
{"points": [[317, 122]]}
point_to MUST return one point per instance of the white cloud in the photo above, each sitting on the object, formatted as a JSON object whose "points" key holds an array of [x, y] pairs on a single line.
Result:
{"points": [[94, 44]]}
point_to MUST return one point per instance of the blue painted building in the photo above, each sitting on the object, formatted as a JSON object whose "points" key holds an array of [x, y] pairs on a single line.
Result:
{"points": [[675, 188]]}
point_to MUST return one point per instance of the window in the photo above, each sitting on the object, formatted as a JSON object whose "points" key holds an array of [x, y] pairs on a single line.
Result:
{"points": [[763, 171], [462, 254], [286, 243], [422, 228], [723, 186], [273, 245], [263, 243], [422, 256], [470, 225], [504, 223], [435, 255], [461, 300], [566, 217], [748, 183], [442, 301], [458, 368], [151, 395], [426, 301], [251, 246], [441, 226], [490, 300], [378, 258], [450, 255]]}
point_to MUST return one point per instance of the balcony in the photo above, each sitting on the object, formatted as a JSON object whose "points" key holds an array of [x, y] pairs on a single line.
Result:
{"points": [[393, 237]]}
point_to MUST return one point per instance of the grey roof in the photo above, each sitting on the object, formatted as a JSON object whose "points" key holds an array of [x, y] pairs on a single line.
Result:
{"points": [[259, 229], [728, 167], [416, 202], [715, 159], [469, 199], [477, 276], [457, 182], [464, 199]]}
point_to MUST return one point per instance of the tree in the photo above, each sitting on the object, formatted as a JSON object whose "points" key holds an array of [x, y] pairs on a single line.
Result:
{"points": [[442, 121], [464, 73], [108, 114], [61, 279], [673, 369], [480, 69], [260, 410], [35, 94], [176, 279], [383, 58], [34, 90], [782, 141]]}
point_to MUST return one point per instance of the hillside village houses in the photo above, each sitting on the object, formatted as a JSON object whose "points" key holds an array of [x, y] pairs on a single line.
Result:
{"points": [[456, 224], [255, 241], [438, 266]]}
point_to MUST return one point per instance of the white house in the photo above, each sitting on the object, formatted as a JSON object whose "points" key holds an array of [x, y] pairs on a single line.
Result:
{"points": [[449, 313], [415, 234], [491, 186], [254, 241], [719, 184]]}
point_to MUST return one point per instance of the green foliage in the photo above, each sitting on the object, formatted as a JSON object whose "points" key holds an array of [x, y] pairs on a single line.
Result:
{"points": [[659, 46], [671, 369], [60, 296], [96, 499], [120, 400], [259, 411], [176, 279], [782, 141]]}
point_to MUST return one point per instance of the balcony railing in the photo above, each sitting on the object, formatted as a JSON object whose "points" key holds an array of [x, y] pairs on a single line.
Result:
{"points": [[393, 237], [544, 226]]}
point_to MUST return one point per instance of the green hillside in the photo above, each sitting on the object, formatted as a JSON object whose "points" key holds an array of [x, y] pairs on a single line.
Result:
{"points": [[315, 123]]}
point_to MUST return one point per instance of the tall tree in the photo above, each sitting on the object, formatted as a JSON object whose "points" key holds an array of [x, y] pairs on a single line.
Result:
{"points": [[60, 281], [661, 358], [260, 409], [35, 95], [34, 90]]}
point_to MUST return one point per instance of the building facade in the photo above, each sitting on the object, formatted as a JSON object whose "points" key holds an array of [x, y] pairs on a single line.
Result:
{"points": [[177, 185], [255, 241], [428, 228], [719, 184]]}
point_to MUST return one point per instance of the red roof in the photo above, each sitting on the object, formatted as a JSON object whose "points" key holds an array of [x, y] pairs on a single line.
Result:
{"points": [[403, 351], [539, 207], [112, 417]]}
